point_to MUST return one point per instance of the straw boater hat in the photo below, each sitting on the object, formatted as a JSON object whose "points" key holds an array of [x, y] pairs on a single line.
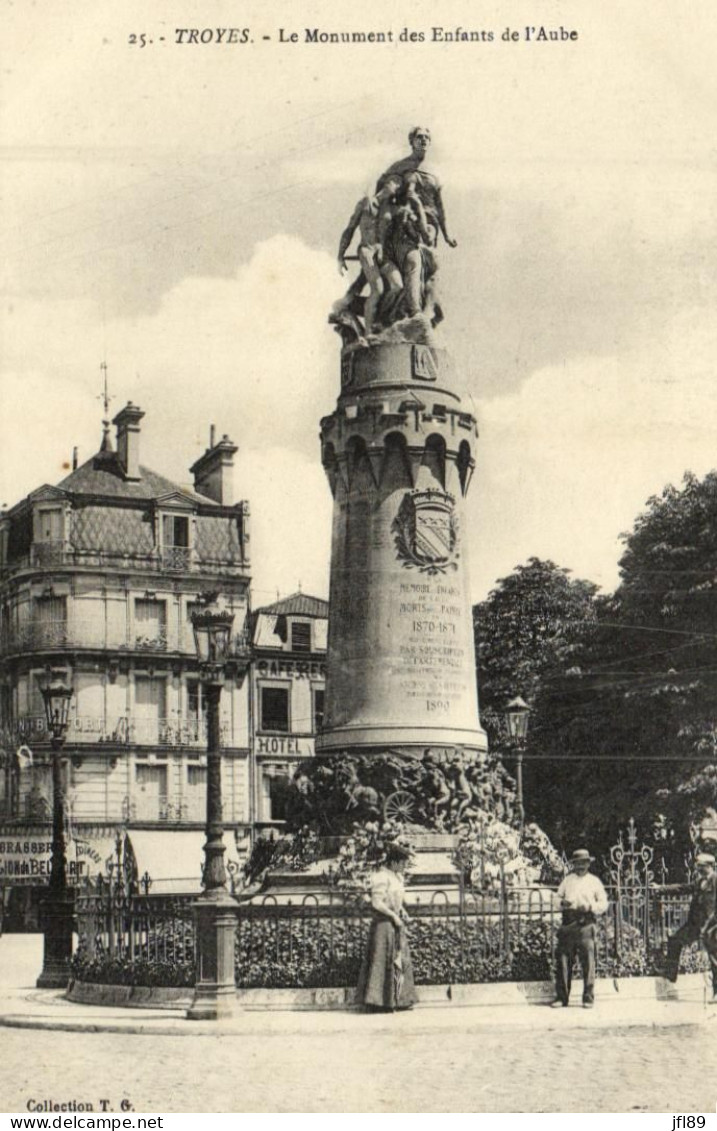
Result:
{"points": [[704, 858], [581, 854]]}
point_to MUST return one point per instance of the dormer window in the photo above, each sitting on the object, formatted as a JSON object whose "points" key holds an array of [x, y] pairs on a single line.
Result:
{"points": [[300, 636], [48, 535], [176, 547], [49, 524], [176, 531]]}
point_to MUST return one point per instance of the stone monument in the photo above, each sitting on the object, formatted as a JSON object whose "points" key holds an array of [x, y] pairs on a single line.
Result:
{"points": [[399, 454]]}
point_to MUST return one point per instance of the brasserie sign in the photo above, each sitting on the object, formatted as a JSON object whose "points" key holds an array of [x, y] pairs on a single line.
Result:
{"points": [[26, 861]]}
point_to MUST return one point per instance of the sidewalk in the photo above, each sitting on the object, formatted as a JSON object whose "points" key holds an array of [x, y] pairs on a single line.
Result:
{"points": [[618, 1006]]}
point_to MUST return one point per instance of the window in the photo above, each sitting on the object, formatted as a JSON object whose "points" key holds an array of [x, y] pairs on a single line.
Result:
{"points": [[49, 525], [301, 636], [275, 709], [6, 705], [175, 531], [318, 709], [150, 623], [196, 712], [195, 797], [35, 702], [175, 541], [278, 797], [151, 793], [150, 709], [48, 536], [49, 627]]}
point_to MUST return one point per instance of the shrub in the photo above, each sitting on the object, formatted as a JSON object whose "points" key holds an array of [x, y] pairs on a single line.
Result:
{"points": [[132, 972], [321, 950]]}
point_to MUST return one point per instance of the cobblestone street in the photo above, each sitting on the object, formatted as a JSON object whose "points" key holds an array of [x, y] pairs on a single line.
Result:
{"points": [[354, 1071], [308, 1062]]}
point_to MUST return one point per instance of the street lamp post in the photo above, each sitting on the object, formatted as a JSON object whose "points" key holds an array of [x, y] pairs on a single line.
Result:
{"points": [[517, 713], [57, 908], [215, 910]]}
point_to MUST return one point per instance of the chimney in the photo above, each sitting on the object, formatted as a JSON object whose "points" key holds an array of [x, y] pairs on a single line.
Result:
{"points": [[127, 421], [214, 472], [75, 454]]}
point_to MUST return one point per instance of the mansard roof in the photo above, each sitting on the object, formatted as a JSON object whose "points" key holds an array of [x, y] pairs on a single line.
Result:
{"points": [[103, 475], [298, 605]]}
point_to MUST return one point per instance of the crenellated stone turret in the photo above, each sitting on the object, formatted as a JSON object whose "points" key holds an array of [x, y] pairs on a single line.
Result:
{"points": [[399, 453]]}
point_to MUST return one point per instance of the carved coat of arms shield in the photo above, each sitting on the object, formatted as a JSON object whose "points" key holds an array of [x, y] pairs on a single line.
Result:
{"points": [[426, 531]]}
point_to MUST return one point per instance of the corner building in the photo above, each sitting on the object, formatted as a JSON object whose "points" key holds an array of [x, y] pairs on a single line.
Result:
{"points": [[288, 680], [99, 577]]}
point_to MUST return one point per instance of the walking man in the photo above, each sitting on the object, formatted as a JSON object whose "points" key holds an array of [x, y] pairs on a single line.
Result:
{"points": [[701, 921], [582, 898]]}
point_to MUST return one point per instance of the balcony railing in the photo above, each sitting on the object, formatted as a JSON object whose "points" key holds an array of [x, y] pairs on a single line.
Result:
{"points": [[59, 554], [80, 632], [47, 553], [172, 733], [36, 634], [176, 557], [149, 808], [150, 639], [87, 632]]}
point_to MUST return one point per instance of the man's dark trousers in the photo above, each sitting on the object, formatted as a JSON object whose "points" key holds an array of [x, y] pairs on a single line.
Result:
{"points": [[576, 937], [685, 936]]}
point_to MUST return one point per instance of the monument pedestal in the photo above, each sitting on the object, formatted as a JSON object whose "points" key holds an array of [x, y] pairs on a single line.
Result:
{"points": [[432, 870]]}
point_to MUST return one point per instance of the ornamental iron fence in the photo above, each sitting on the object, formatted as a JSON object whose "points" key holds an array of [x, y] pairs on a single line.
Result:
{"points": [[130, 938], [318, 940], [506, 932]]}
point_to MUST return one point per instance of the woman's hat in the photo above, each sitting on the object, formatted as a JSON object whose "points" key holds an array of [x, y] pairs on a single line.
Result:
{"points": [[395, 851], [704, 858], [581, 854]]}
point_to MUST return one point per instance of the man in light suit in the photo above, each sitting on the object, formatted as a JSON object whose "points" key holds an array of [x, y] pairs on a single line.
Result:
{"points": [[582, 899]]}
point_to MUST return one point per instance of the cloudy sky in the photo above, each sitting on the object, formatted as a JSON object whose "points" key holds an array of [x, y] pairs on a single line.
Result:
{"points": [[175, 211]]}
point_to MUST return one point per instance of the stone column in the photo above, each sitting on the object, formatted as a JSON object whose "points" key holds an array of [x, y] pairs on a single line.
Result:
{"points": [[399, 453]]}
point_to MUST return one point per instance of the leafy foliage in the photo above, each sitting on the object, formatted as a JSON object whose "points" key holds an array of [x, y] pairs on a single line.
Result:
{"points": [[293, 853], [132, 972], [532, 625], [623, 688]]}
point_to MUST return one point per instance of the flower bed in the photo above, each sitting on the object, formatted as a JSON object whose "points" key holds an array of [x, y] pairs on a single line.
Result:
{"points": [[317, 951], [131, 972]]}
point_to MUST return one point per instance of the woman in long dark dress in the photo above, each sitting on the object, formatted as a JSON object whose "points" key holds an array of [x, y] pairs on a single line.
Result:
{"points": [[386, 979]]}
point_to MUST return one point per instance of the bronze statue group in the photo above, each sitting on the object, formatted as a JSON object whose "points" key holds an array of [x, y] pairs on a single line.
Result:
{"points": [[398, 228]]}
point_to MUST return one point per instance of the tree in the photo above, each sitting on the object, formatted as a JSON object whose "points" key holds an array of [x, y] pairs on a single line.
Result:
{"points": [[635, 721], [530, 633], [529, 629]]}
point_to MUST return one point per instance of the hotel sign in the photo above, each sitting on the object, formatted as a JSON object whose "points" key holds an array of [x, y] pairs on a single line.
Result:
{"points": [[286, 744]]}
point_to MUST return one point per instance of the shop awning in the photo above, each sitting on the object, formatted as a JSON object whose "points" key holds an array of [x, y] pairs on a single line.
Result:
{"points": [[173, 858], [91, 855]]}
